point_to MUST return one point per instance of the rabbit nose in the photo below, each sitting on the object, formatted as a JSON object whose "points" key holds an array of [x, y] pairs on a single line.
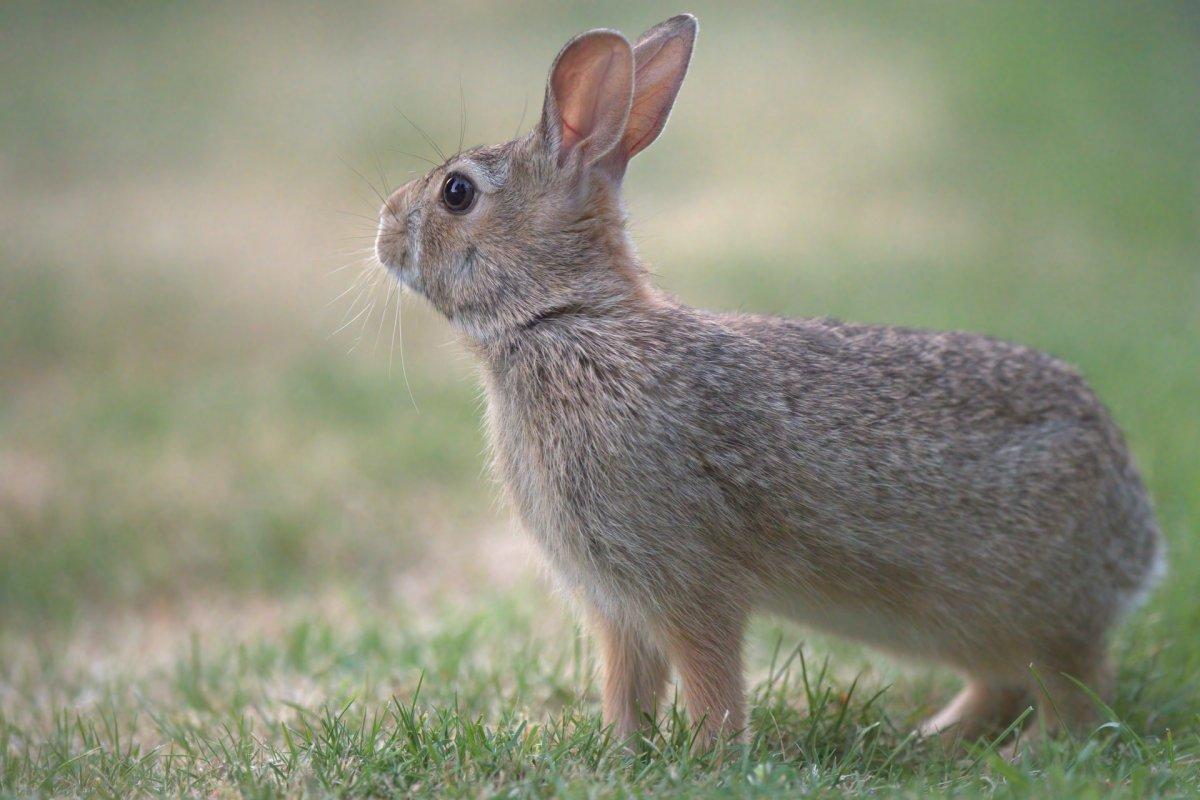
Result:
{"points": [[393, 210], [389, 240]]}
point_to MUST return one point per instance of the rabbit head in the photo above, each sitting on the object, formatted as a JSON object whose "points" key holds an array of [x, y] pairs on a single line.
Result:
{"points": [[497, 237]]}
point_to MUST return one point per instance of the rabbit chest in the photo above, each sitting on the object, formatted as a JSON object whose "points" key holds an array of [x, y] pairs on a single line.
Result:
{"points": [[603, 475]]}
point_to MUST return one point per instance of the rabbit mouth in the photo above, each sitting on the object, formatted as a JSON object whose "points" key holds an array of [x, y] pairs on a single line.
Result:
{"points": [[397, 249], [392, 254], [405, 274]]}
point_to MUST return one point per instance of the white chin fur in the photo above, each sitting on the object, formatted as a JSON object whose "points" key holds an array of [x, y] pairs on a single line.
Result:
{"points": [[406, 276]]}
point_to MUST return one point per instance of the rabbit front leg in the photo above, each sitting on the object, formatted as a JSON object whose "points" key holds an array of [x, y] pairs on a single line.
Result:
{"points": [[705, 645], [635, 674]]}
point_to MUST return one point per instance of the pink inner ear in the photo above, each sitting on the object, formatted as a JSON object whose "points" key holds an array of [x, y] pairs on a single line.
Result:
{"points": [[591, 84], [659, 75], [581, 106], [571, 135]]}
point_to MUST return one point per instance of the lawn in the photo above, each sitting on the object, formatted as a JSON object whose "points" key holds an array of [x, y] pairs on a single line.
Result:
{"points": [[248, 545]]}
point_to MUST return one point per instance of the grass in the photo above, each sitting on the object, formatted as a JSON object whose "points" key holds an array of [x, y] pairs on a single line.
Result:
{"points": [[236, 560], [492, 702]]}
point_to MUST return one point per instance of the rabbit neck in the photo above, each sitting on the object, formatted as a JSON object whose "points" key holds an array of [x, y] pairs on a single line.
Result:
{"points": [[599, 278], [579, 320]]}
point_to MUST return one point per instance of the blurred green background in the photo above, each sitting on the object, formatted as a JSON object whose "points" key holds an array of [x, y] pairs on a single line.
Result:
{"points": [[187, 449]]}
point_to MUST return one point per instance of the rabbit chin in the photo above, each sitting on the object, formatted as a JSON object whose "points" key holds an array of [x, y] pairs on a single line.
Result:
{"points": [[407, 276], [398, 249]]}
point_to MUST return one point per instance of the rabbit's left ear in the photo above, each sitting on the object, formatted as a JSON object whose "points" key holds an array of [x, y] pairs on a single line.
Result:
{"points": [[661, 59], [588, 97]]}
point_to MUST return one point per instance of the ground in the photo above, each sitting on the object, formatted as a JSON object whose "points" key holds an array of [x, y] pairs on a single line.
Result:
{"points": [[236, 559]]}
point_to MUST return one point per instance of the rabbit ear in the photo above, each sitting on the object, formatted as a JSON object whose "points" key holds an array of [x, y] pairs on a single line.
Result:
{"points": [[661, 58], [588, 97]]}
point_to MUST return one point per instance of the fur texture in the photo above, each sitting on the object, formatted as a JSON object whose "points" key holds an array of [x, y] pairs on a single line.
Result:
{"points": [[944, 496]]}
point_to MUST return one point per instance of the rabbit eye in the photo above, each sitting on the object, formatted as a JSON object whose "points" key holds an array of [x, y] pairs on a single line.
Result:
{"points": [[458, 193]]}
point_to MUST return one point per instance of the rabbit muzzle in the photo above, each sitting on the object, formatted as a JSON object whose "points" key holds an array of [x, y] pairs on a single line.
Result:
{"points": [[398, 242]]}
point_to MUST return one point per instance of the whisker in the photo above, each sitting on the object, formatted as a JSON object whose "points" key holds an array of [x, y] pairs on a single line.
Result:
{"points": [[378, 194], [370, 309], [382, 178], [429, 161], [349, 323], [364, 228], [358, 257], [351, 287], [398, 327], [462, 119], [363, 252], [358, 250], [426, 137], [395, 325], [374, 304], [391, 211], [370, 219], [342, 294], [521, 122], [386, 204], [382, 317], [362, 237], [358, 297]]}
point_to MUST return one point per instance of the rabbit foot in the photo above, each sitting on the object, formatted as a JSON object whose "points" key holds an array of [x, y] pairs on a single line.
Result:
{"points": [[979, 709]]}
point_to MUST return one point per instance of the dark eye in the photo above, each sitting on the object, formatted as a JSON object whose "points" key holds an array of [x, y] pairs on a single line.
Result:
{"points": [[458, 193]]}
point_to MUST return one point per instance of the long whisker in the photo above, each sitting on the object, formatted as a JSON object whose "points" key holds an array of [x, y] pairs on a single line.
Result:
{"points": [[361, 252], [426, 137], [363, 237], [378, 193], [386, 204], [521, 122], [343, 293], [358, 297], [365, 180], [386, 304], [462, 118], [382, 177], [374, 300], [349, 322], [357, 284], [413, 155], [366, 217], [395, 326], [398, 327], [357, 256], [364, 228]]}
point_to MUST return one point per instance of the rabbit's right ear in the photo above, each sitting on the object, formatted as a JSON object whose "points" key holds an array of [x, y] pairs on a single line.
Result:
{"points": [[588, 97]]}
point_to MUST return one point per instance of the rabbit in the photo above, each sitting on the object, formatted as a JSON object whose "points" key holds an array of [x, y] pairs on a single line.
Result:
{"points": [[942, 496]]}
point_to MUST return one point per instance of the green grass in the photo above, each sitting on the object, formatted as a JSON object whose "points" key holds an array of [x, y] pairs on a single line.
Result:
{"points": [[237, 560], [496, 701]]}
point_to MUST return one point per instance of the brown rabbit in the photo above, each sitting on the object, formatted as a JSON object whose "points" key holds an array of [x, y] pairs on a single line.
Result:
{"points": [[940, 495]]}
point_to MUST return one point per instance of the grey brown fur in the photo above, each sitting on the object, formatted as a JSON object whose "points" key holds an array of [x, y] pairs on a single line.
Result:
{"points": [[944, 496]]}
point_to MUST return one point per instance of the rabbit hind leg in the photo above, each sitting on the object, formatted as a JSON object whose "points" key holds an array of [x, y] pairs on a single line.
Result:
{"points": [[982, 707]]}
